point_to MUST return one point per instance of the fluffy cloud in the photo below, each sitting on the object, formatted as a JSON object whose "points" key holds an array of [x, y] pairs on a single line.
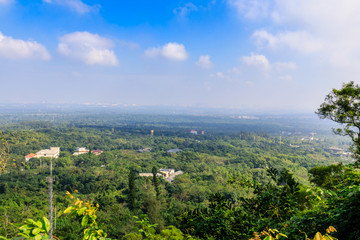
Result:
{"points": [[172, 51], [75, 5], [5, 2], [92, 49], [251, 8], [299, 40], [185, 10], [283, 66], [204, 62], [256, 60], [260, 61], [327, 28], [19, 49], [331, 22], [221, 75]]}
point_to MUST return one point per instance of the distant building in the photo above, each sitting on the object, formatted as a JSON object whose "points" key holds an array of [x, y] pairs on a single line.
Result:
{"points": [[247, 117], [30, 156], [149, 175], [193, 132], [144, 150], [97, 152], [53, 152], [152, 132], [172, 177], [174, 150], [335, 149], [202, 132], [80, 150], [166, 172], [145, 174]]}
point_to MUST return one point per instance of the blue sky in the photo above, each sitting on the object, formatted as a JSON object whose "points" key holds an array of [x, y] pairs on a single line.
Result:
{"points": [[254, 54]]}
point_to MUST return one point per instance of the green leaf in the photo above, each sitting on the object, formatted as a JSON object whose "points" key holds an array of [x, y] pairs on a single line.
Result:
{"points": [[81, 211], [92, 237], [36, 231], [84, 220], [39, 224], [282, 235], [68, 210], [46, 224], [38, 237], [86, 234]]}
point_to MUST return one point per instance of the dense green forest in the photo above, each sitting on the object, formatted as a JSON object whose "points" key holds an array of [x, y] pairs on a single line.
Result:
{"points": [[240, 177]]}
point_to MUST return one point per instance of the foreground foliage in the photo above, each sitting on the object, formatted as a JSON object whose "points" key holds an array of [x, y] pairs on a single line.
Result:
{"points": [[233, 184]]}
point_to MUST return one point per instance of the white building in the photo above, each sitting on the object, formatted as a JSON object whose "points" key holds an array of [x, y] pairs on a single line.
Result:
{"points": [[166, 172], [80, 150], [53, 152], [149, 175]]}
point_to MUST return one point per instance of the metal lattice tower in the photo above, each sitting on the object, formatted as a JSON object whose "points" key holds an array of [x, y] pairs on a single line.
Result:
{"points": [[50, 180]]}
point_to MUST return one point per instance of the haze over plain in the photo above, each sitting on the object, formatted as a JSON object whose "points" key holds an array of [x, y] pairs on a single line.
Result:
{"points": [[255, 54]]}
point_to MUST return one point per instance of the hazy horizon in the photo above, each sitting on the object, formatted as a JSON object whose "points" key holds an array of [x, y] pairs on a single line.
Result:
{"points": [[262, 55]]}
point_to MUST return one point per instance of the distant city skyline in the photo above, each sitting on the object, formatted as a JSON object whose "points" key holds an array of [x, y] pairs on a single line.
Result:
{"points": [[246, 54]]}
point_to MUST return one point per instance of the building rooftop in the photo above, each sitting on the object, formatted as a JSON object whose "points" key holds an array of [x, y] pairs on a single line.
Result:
{"points": [[31, 155], [166, 170], [174, 150]]}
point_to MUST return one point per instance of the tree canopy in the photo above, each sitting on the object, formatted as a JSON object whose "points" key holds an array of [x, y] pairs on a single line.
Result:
{"points": [[343, 106]]}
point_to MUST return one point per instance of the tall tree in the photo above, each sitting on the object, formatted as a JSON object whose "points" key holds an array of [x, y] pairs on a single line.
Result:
{"points": [[4, 153], [132, 190], [156, 182], [343, 106]]}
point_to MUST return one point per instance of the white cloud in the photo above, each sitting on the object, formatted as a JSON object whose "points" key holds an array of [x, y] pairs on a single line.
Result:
{"points": [[234, 70], [333, 22], [204, 62], [185, 10], [252, 9], [286, 78], [327, 27], [5, 2], [282, 66], [301, 41], [261, 62], [220, 75], [75, 5], [256, 60], [325, 15], [89, 48], [172, 51], [19, 49]]}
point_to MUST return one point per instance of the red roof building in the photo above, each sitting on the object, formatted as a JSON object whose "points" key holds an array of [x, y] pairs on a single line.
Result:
{"points": [[30, 156], [97, 152]]}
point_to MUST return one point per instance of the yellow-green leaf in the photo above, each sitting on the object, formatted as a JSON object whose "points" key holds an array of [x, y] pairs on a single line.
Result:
{"points": [[84, 221], [38, 237], [46, 224], [69, 209], [318, 236], [35, 231]]}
